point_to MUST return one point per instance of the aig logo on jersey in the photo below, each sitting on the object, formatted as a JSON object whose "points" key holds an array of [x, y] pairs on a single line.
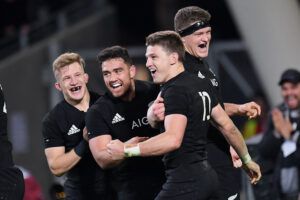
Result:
{"points": [[139, 122]]}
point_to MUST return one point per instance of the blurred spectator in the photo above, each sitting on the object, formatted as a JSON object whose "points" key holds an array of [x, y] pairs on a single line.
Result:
{"points": [[280, 146], [33, 189], [14, 17], [56, 192]]}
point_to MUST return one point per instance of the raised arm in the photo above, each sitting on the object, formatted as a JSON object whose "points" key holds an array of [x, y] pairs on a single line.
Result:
{"points": [[250, 109]]}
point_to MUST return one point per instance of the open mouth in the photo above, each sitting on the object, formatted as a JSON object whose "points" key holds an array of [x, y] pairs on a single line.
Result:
{"points": [[291, 100], [75, 89], [152, 71], [115, 85], [202, 45]]}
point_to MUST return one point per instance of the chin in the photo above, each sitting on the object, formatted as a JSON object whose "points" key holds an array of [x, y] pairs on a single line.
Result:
{"points": [[76, 98], [116, 94], [202, 55], [293, 106]]}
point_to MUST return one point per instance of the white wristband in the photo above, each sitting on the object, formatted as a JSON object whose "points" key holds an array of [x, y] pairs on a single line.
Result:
{"points": [[246, 159], [130, 150]]}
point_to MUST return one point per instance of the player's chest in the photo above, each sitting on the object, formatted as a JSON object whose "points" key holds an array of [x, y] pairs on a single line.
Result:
{"points": [[127, 122]]}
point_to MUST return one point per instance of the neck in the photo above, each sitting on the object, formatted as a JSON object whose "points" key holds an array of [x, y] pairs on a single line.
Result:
{"points": [[192, 54], [175, 71], [83, 104], [130, 93]]}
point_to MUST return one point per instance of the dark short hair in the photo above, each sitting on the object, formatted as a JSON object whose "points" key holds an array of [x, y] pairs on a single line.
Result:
{"points": [[290, 75], [114, 52], [189, 15], [169, 41]]}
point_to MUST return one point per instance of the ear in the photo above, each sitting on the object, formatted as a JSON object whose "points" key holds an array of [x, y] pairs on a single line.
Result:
{"points": [[173, 58], [183, 39], [57, 86], [86, 78], [132, 71]]}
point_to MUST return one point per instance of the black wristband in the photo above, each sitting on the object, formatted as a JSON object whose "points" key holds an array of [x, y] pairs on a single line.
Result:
{"points": [[81, 148]]}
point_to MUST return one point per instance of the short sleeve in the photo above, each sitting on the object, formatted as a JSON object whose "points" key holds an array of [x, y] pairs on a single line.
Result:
{"points": [[96, 123], [51, 133], [213, 96], [176, 101]]}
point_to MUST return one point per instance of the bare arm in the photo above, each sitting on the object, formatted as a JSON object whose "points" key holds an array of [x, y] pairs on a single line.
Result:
{"points": [[250, 109], [98, 146], [99, 151], [235, 139], [229, 130], [167, 141], [60, 162]]}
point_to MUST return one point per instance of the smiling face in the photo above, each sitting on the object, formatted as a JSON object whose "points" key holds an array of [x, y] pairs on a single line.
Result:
{"points": [[71, 81], [291, 94], [118, 78], [197, 43], [158, 63]]}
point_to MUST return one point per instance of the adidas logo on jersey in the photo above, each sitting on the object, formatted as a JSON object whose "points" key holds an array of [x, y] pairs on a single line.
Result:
{"points": [[200, 75], [214, 82], [73, 130], [117, 118]]}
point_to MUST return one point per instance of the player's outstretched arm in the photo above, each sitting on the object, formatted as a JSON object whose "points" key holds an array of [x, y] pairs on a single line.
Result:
{"points": [[250, 109]]}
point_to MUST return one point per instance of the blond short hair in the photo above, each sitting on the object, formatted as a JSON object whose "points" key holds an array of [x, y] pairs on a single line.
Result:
{"points": [[66, 59]]}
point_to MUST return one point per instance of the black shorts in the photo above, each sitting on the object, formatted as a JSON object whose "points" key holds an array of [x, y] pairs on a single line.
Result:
{"points": [[80, 191], [229, 182], [201, 185], [11, 184], [141, 186]]}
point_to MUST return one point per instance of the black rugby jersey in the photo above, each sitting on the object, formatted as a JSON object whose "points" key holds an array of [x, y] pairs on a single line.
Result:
{"points": [[217, 147], [63, 126], [5, 145], [187, 95], [124, 120]]}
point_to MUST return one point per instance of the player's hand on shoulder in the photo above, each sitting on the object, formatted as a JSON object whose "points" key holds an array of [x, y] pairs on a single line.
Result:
{"points": [[157, 109]]}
